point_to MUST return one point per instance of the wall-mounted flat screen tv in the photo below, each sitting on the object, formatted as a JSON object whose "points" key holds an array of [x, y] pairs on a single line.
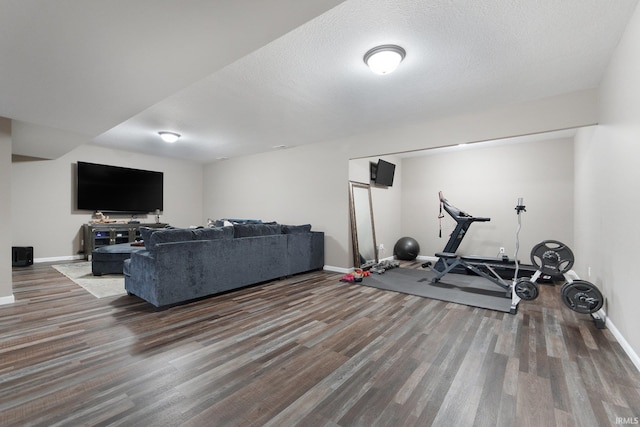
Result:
{"points": [[117, 189], [382, 173]]}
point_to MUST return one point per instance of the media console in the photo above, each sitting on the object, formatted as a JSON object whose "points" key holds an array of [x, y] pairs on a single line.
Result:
{"points": [[97, 235]]}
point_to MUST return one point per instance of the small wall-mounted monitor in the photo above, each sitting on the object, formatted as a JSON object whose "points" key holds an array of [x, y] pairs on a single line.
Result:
{"points": [[382, 173]]}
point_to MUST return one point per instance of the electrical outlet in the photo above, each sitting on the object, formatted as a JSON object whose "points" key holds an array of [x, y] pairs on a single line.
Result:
{"points": [[501, 251]]}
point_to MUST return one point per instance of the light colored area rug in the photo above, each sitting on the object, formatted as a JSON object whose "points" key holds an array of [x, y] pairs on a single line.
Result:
{"points": [[99, 286]]}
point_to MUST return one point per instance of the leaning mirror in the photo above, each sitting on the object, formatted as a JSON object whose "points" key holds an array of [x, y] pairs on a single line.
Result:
{"points": [[363, 233]]}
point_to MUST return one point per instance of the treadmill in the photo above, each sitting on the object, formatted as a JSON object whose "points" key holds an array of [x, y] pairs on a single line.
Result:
{"points": [[503, 266]]}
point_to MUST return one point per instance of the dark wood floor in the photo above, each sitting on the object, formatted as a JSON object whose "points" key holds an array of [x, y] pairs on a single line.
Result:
{"points": [[308, 350]]}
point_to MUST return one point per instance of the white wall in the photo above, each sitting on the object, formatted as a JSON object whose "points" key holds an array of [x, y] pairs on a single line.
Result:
{"points": [[310, 183], [43, 198], [487, 182], [6, 290], [307, 184], [607, 197]]}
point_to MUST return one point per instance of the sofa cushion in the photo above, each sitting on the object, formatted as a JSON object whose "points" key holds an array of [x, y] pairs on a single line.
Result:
{"points": [[168, 236], [295, 229], [252, 230], [146, 232], [212, 233]]}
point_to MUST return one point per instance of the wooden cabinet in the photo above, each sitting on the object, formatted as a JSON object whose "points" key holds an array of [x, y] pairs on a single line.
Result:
{"points": [[96, 235]]}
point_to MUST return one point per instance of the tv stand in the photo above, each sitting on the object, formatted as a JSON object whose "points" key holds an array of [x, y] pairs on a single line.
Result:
{"points": [[97, 235]]}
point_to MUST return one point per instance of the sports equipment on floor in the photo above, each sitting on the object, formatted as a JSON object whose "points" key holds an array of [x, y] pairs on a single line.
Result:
{"points": [[406, 249], [553, 257]]}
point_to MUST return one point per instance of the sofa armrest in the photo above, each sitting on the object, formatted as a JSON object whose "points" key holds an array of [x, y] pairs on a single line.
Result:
{"points": [[305, 252], [140, 276]]}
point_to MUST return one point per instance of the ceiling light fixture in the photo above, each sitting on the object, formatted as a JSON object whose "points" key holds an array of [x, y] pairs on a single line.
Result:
{"points": [[384, 59], [169, 137]]}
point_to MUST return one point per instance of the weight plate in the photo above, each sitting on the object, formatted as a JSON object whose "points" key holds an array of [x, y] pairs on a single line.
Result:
{"points": [[582, 297], [526, 289], [552, 257]]}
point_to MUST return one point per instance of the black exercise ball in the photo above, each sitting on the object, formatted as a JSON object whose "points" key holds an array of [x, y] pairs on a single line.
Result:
{"points": [[406, 249]]}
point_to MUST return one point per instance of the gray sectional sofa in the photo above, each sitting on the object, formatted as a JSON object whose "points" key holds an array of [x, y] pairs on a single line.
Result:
{"points": [[179, 265]]}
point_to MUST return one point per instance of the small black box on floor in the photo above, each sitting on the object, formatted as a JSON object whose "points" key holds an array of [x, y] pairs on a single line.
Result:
{"points": [[21, 256]]}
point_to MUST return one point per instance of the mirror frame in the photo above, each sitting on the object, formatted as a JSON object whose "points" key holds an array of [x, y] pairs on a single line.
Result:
{"points": [[354, 227]]}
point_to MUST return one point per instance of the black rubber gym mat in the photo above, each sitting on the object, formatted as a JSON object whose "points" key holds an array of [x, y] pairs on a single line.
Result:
{"points": [[457, 288]]}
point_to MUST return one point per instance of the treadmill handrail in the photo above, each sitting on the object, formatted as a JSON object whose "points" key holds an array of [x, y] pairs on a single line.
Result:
{"points": [[481, 219], [459, 215]]}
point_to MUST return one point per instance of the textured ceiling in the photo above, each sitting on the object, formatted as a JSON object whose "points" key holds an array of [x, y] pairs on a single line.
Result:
{"points": [[311, 84], [82, 67]]}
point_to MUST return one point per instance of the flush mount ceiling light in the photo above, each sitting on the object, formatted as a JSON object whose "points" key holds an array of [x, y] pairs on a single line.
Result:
{"points": [[384, 59], [169, 136]]}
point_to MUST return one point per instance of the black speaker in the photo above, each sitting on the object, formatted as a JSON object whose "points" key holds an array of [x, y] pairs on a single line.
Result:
{"points": [[22, 256]]}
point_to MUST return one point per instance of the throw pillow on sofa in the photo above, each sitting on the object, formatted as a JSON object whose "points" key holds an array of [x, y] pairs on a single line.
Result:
{"points": [[253, 230], [212, 233], [296, 229], [168, 236], [146, 232]]}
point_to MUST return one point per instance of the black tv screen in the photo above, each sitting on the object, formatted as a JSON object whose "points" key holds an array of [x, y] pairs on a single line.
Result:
{"points": [[116, 189], [384, 173]]}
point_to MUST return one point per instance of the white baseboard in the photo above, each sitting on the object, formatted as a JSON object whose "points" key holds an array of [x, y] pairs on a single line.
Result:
{"points": [[7, 300], [635, 359], [337, 269], [59, 258]]}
